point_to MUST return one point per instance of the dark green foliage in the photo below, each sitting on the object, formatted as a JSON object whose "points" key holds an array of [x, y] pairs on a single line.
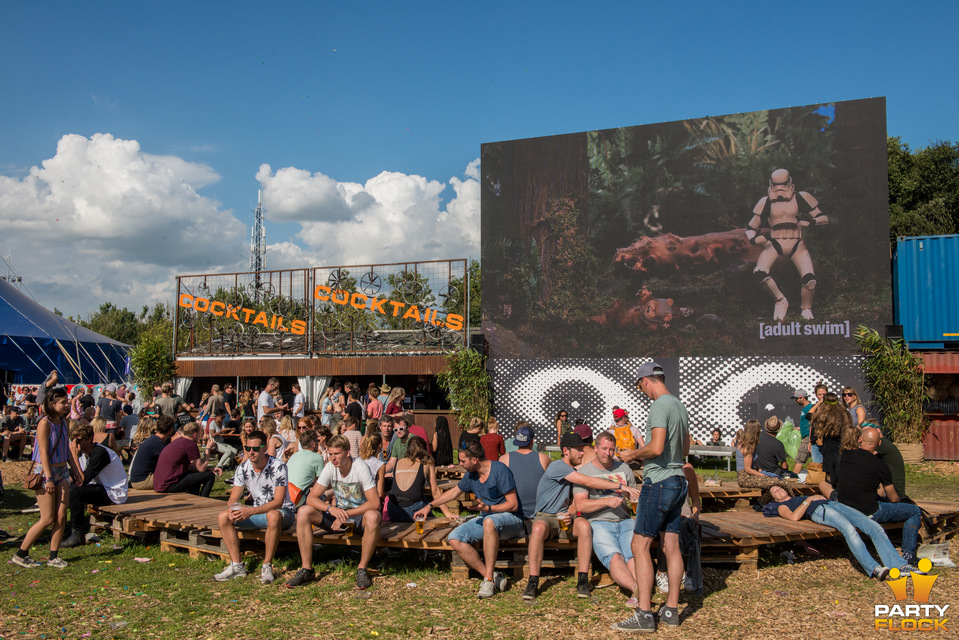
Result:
{"points": [[923, 189], [467, 385], [896, 380], [119, 324], [457, 295]]}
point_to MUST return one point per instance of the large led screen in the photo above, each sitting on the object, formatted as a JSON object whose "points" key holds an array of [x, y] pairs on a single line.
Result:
{"points": [[762, 233]]}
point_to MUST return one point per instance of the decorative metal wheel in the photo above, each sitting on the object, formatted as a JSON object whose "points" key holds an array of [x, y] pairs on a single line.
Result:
{"points": [[371, 283]]}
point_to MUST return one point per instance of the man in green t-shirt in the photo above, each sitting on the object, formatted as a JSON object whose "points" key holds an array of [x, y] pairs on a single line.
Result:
{"points": [[661, 501]]}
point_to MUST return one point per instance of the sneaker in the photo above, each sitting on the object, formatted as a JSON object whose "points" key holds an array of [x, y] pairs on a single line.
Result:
{"points": [[499, 579], [911, 568], [57, 563], [26, 562], [233, 570], [880, 573], [530, 592], [662, 583], [668, 615], [76, 539], [632, 603], [363, 580], [266, 574], [486, 590], [582, 589], [641, 621], [688, 583], [301, 577]]}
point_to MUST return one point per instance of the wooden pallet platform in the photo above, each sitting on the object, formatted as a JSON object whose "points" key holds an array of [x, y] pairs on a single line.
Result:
{"points": [[189, 523]]}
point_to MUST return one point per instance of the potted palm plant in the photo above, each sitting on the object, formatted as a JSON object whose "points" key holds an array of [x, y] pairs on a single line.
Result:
{"points": [[896, 379]]}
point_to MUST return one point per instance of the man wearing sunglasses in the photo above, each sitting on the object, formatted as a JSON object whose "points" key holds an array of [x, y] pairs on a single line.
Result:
{"points": [[357, 502], [266, 479]]}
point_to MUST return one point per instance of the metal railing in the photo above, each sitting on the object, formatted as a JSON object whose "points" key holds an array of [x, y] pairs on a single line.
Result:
{"points": [[376, 309]]}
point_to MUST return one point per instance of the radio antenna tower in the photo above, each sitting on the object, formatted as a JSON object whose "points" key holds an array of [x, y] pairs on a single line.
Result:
{"points": [[258, 241]]}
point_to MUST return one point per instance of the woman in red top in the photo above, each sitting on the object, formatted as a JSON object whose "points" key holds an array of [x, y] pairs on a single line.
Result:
{"points": [[394, 403], [492, 442]]}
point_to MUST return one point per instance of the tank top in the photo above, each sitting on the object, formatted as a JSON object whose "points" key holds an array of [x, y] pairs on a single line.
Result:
{"points": [[59, 444], [412, 495], [527, 471], [855, 415]]}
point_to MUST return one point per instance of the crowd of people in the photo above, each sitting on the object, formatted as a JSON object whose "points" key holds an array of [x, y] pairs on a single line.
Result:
{"points": [[361, 459]]}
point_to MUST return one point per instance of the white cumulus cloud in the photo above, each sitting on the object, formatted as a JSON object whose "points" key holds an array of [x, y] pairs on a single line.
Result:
{"points": [[103, 221], [392, 217]]}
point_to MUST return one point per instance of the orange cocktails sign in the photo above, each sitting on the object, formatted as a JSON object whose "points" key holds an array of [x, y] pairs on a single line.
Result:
{"points": [[387, 307]]}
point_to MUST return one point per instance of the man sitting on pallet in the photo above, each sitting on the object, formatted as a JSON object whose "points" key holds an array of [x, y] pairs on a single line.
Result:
{"points": [[357, 506], [553, 504], [499, 519], [609, 516], [266, 479]]}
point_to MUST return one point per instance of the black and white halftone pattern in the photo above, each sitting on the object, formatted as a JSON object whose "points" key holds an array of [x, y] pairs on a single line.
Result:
{"points": [[725, 392], [717, 392]]}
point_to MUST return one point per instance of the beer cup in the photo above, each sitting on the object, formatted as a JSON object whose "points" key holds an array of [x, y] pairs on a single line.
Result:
{"points": [[419, 520]]}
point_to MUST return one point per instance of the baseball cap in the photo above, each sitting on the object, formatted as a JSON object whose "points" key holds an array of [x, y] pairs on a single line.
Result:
{"points": [[620, 413], [524, 436], [800, 393], [648, 369], [574, 439], [110, 387], [584, 432]]}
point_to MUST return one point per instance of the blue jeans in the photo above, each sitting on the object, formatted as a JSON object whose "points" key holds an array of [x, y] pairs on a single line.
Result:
{"points": [[902, 512], [846, 520], [816, 453], [508, 526], [660, 506], [258, 521], [403, 514], [610, 538]]}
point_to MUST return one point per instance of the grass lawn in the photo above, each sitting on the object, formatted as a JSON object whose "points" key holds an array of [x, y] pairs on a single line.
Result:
{"points": [[106, 593]]}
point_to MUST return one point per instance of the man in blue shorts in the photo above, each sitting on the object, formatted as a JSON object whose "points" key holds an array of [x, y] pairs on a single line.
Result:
{"points": [[266, 478], [499, 519], [660, 503]]}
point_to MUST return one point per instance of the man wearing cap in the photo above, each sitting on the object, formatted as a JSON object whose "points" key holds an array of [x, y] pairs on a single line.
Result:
{"points": [[527, 466], [553, 502], [661, 501], [802, 454], [627, 436], [770, 455], [585, 432]]}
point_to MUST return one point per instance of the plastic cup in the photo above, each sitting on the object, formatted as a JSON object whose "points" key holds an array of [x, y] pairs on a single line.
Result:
{"points": [[420, 521], [563, 525]]}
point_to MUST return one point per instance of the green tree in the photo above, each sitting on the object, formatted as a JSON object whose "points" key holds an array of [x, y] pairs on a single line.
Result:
{"points": [[456, 299], [923, 188], [412, 289], [467, 385], [119, 324], [152, 358]]}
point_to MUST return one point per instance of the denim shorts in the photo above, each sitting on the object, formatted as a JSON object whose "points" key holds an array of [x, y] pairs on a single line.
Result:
{"points": [[660, 506], [60, 474], [610, 538], [508, 525], [258, 521]]}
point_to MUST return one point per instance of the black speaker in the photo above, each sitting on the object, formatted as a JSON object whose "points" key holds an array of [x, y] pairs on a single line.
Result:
{"points": [[894, 331], [478, 343]]}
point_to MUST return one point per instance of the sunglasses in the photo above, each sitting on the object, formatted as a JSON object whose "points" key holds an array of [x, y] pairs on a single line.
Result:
{"points": [[250, 449], [302, 428], [848, 394]]}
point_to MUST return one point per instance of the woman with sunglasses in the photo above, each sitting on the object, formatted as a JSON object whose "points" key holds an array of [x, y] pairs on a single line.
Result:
{"points": [[52, 460], [857, 411], [562, 424]]}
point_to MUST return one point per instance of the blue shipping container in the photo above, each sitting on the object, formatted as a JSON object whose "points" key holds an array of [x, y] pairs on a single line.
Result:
{"points": [[926, 290]]}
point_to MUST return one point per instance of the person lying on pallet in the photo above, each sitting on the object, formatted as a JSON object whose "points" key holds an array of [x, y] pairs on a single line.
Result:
{"points": [[553, 500], [860, 475], [357, 508], [266, 478], [104, 481], [499, 519], [784, 503]]}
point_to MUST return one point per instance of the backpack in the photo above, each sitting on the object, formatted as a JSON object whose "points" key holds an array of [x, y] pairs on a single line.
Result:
{"points": [[624, 437]]}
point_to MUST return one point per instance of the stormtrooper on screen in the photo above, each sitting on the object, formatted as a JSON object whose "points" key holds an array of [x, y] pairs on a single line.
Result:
{"points": [[777, 226]]}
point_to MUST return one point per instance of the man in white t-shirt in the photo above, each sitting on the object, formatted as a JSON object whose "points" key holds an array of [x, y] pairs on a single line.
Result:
{"points": [[356, 502], [265, 406], [266, 478], [299, 402]]}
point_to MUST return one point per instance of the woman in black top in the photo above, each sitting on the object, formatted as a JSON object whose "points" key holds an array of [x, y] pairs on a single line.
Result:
{"points": [[442, 442]]}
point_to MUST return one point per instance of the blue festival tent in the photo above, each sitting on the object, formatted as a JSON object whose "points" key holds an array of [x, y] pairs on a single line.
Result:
{"points": [[34, 341]]}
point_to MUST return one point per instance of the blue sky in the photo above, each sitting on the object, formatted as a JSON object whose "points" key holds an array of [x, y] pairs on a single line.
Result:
{"points": [[133, 135]]}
